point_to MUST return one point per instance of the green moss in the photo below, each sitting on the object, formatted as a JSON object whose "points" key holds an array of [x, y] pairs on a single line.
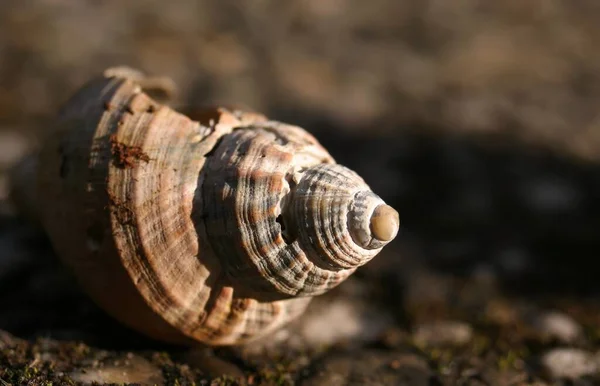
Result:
{"points": [[20, 364], [280, 374], [225, 380]]}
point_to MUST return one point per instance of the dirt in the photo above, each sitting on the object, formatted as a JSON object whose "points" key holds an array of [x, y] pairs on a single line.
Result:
{"points": [[477, 121]]}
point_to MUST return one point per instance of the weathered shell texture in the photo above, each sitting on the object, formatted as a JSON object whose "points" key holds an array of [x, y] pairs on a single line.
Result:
{"points": [[218, 230]]}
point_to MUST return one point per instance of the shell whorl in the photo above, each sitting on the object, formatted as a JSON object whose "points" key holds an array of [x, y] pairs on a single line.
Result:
{"points": [[332, 207], [291, 208], [217, 230]]}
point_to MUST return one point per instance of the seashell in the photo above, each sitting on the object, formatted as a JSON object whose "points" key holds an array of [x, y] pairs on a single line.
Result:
{"points": [[217, 230]]}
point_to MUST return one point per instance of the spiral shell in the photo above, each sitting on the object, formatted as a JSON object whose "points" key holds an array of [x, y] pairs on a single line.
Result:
{"points": [[217, 230]]}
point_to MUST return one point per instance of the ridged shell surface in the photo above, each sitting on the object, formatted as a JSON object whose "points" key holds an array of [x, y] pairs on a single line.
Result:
{"points": [[218, 230]]}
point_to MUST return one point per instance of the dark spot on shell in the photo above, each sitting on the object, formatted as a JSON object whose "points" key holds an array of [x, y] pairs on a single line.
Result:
{"points": [[286, 233], [125, 156], [120, 210], [280, 222]]}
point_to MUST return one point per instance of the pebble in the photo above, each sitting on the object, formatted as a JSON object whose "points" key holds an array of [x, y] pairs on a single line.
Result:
{"points": [[558, 326], [503, 312], [130, 369], [443, 333], [368, 367], [346, 314], [343, 319], [569, 363], [212, 365]]}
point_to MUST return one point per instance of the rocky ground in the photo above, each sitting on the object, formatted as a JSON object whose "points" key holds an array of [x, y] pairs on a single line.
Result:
{"points": [[477, 120]]}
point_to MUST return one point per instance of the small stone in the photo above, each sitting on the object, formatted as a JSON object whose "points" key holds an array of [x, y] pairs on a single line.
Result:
{"points": [[130, 369], [443, 333], [368, 367], [394, 337], [557, 325], [501, 312], [569, 363], [345, 314], [212, 365], [343, 320]]}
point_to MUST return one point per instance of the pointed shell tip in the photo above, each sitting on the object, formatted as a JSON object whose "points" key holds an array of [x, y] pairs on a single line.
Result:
{"points": [[385, 223]]}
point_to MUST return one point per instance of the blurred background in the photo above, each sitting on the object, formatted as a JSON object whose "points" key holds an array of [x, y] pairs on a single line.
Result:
{"points": [[478, 120]]}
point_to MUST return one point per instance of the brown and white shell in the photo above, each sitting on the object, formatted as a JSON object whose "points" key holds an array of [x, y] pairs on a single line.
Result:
{"points": [[217, 230]]}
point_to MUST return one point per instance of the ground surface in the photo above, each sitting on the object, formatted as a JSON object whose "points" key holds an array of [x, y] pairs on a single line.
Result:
{"points": [[478, 121]]}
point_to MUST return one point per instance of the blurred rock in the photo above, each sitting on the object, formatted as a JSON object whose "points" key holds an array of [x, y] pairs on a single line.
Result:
{"points": [[502, 312], [443, 333], [129, 369], [210, 364], [369, 367], [343, 320], [347, 314], [569, 363], [556, 325]]}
